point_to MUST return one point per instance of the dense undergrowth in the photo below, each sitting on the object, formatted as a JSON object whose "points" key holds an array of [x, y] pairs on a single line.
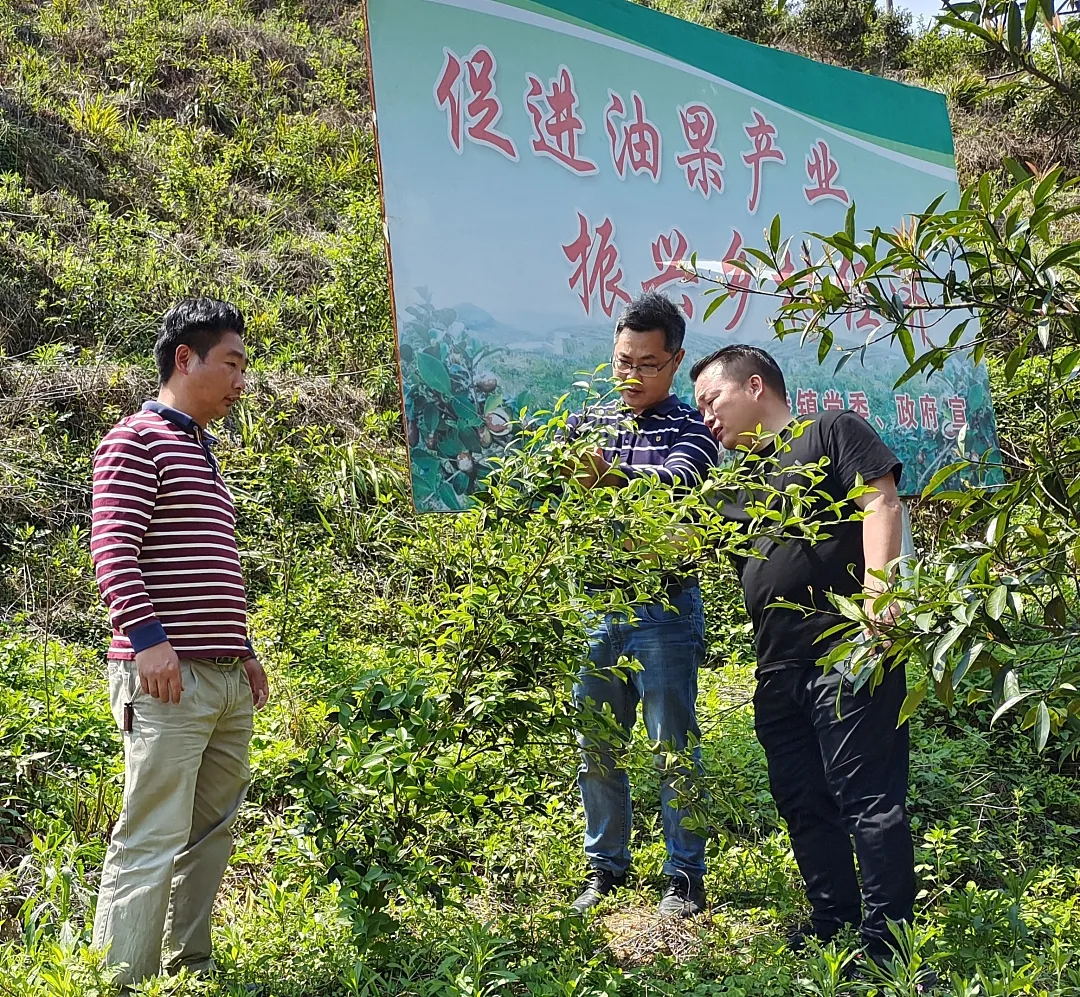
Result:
{"points": [[152, 149]]}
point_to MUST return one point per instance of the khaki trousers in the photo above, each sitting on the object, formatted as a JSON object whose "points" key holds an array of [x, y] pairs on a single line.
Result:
{"points": [[185, 776]]}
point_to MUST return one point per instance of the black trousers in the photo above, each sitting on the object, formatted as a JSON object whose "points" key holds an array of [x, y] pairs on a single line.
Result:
{"points": [[838, 770]]}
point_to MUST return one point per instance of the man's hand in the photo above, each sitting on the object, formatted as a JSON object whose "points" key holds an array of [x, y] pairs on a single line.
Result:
{"points": [[590, 468], [882, 619], [593, 469], [260, 687], [886, 616], [882, 531], [159, 672]]}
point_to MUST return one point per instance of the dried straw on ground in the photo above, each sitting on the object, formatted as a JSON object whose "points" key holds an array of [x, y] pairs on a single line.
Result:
{"points": [[637, 935]]}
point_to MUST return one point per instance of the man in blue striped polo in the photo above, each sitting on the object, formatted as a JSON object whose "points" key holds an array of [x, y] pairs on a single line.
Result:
{"points": [[649, 432]]}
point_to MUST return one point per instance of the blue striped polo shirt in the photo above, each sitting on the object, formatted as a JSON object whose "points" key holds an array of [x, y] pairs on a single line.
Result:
{"points": [[669, 440]]}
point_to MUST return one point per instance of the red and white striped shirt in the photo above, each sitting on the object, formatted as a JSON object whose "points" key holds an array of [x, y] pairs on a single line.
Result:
{"points": [[164, 539]]}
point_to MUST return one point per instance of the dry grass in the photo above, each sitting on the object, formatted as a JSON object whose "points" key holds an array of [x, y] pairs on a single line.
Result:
{"points": [[46, 152], [95, 395], [638, 935], [26, 388], [37, 486], [246, 40], [982, 140]]}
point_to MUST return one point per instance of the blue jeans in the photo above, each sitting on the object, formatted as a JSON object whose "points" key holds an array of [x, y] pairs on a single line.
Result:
{"points": [[670, 645]]}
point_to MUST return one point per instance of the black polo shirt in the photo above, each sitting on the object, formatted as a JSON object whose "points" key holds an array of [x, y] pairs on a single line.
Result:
{"points": [[797, 570]]}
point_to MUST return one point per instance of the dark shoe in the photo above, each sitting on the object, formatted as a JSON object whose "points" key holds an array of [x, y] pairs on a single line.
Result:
{"points": [[599, 884], [798, 936], [685, 896]]}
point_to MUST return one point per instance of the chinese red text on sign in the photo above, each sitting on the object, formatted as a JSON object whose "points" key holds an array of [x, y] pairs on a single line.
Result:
{"points": [[958, 412], [736, 281], [787, 269], [476, 117], [762, 133], [928, 413], [558, 129], [859, 403], [668, 250], [905, 412], [806, 401], [701, 162], [822, 170], [847, 274], [597, 271], [637, 141], [832, 401], [913, 298]]}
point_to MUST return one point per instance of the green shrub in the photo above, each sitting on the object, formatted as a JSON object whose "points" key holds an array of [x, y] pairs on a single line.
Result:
{"points": [[749, 19], [886, 43], [834, 29], [939, 52]]}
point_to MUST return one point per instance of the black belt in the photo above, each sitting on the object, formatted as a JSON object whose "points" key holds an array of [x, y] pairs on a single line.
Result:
{"points": [[672, 586]]}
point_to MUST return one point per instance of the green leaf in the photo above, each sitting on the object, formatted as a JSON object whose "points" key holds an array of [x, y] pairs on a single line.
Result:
{"points": [[943, 645], [1009, 704], [1046, 185], [467, 414], [1069, 45], [995, 605], [962, 666], [996, 530], [1031, 15], [1014, 29], [1054, 613], [1018, 171], [847, 607], [423, 461], [448, 497], [451, 446], [914, 697], [943, 687], [906, 343], [434, 374], [1042, 726], [942, 474], [970, 27], [1065, 365], [1014, 359], [1040, 539], [1069, 251], [774, 235], [716, 302]]}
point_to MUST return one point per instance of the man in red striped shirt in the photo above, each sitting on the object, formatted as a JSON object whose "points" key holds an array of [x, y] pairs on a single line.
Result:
{"points": [[183, 677]]}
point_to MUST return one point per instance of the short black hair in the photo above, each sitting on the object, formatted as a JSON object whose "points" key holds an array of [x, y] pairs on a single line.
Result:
{"points": [[741, 362], [195, 322], [653, 311]]}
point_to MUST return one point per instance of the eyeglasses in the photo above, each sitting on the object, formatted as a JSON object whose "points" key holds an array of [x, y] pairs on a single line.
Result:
{"points": [[622, 366]]}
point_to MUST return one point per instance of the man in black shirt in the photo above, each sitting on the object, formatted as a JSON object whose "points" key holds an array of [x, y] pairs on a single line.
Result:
{"points": [[838, 763]]}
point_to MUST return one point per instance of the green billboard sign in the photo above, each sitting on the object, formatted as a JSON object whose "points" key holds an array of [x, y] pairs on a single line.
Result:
{"points": [[544, 162]]}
